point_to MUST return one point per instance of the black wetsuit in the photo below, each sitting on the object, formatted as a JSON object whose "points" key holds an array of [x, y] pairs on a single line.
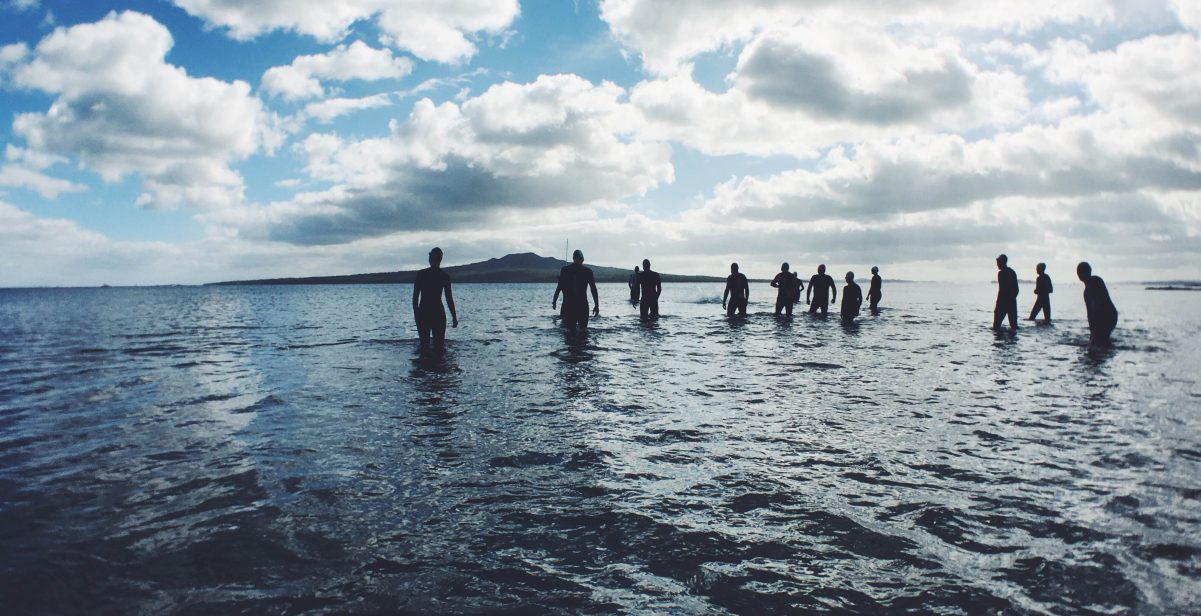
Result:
{"points": [[852, 300], [574, 281], [873, 292], [1102, 314], [634, 288], [786, 293], [651, 285], [737, 287], [430, 315], [820, 286], [1042, 290], [1007, 298]]}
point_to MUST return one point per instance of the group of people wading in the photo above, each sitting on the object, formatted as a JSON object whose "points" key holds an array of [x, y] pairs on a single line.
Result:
{"points": [[577, 281]]}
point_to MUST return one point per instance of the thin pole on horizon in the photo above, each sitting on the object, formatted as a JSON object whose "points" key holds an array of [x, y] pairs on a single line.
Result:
{"points": [[566, 247]]}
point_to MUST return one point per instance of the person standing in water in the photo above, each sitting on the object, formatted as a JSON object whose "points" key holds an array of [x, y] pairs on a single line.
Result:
{"points": [[574, 282], [1007, 295], [873, 292], [736, 284], [652, 286], [634, 287], [1042, 290], [797, 287], [428, 288], [821, 285], [1102, 314], [852, 299], [785, 294]]}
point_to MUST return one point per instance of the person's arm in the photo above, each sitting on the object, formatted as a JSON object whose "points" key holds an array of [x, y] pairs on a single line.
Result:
{"points": [[658, 286], [725, 293], [450, 303], [595, 297], [834, 290], [746, 290], [808, 292], [775, 282], [554, 302], [416, 295]]}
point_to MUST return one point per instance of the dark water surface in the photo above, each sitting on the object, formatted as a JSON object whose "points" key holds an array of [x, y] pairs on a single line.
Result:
{"points": [[289, 450]]}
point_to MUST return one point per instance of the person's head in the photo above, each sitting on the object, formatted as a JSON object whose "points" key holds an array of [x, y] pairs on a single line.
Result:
{"points": [[646, 264], [1002, 261], [577, 256], [436, 257], [875, 270], [733, 268], [1041, 267], [850, 276], [821, 269], [784, 267], [636, 270], [1084, 270]]}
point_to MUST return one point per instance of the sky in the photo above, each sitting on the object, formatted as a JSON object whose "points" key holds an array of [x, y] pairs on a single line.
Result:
{"points": [[192, 141]]}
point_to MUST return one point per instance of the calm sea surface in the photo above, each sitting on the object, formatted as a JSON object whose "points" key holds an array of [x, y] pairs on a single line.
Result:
{"points": [[290, 450]]}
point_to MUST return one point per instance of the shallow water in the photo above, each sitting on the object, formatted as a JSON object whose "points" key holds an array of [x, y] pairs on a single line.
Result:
{"points": [[290, 450]]}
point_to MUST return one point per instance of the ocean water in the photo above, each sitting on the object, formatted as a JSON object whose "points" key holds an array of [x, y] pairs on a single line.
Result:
{"points": [[290, 450]]}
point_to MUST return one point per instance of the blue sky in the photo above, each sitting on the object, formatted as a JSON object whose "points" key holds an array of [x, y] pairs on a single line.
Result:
{"points": [[189, 141]]}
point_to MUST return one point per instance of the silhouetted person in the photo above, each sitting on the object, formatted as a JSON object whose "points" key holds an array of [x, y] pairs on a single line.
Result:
{"points": [[821, 285], [634, 286], [574, 282], [873, 292], [1042, 290], [785, 283], [797, 287], [652, 286], [1007, 295], [1102, 314], [428, 287], [852, 299], [737, 285]]}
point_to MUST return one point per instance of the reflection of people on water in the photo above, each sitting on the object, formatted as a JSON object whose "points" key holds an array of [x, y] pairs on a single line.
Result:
{"points": [[633, 284], [786, 293], [574, 282], [1007, 295], [1102, 314], [737, 285], [1042, 290], [428, 287], [821, 285], [852, 299], [652, 286], [873, 292]]}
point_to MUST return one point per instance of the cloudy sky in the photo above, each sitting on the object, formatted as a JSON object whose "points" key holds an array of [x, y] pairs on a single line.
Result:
{"points": [[188, 141]]}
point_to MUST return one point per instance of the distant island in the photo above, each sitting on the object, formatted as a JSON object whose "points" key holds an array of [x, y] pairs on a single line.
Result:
{"points": [[522, 267]]}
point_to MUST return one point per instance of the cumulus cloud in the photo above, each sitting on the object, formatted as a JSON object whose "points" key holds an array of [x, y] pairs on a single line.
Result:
{"points": [[436, 31], [301, 78], [560, 141], [120, 109]]}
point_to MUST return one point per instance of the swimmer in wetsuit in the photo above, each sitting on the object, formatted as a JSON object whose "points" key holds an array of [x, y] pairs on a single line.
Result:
{"points": [[633, 284], [787, 291], [1102, 314], [821, 285], [737, 285], [852, 299], [1007, 295], [1042, 290], [651, 286], [431, 282], [873, 292], [574, 282]]}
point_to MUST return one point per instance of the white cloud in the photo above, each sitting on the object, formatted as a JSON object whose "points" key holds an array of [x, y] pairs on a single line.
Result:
{"points": [[437, 31], [120, 109], [327, 110], [23, 5], [301, 78], [17, 176], [1189, 12]]}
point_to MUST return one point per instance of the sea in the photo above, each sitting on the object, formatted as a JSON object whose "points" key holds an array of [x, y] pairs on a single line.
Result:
{"points": [[294, 450]]}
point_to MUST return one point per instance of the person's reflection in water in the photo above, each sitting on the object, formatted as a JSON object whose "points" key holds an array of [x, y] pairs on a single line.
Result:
{"points": [[428, 288], [785, 283], [737, 285], [575, 281], [873, 292], [1102, 314], [652, 286], [821, 285], [1007, 295], [852, 299], [634, 286], [1042, 290]]}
